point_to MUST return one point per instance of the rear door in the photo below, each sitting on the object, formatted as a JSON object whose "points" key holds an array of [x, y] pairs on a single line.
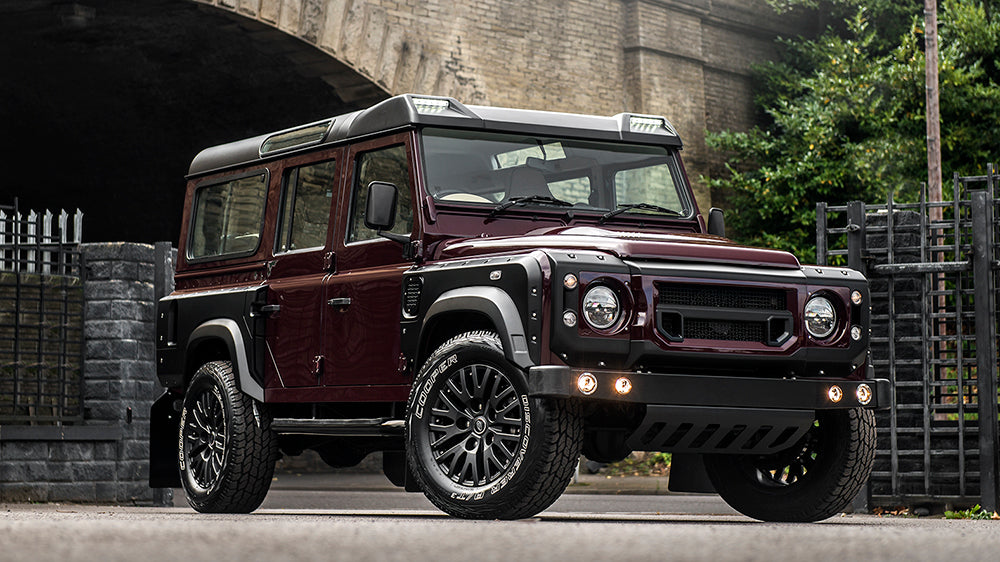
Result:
{"points": [[302, 260]]}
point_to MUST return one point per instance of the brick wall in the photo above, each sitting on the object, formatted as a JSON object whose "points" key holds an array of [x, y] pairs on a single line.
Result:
{"points": [[686, 59], [106, 457]]}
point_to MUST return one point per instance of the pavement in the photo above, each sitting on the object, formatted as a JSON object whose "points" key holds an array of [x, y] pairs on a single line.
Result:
{"points": [[369, 482]]}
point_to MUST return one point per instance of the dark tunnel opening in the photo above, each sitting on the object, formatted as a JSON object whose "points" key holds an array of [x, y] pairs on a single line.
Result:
{"points": [[104, 103]]}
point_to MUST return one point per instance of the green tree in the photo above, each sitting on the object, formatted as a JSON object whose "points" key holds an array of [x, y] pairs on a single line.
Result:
{"points": [[843, 115]]}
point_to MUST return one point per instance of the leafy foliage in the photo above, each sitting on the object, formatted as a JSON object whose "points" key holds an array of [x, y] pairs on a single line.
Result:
{"points": [[843, 115], [974, 512], [641, 464]]}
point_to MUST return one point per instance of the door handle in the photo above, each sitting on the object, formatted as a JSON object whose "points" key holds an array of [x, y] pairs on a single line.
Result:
{"points": [[342, 301], [263, 309]]}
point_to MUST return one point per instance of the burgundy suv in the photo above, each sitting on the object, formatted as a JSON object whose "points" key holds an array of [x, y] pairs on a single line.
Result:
{"points": [[483, 294]]}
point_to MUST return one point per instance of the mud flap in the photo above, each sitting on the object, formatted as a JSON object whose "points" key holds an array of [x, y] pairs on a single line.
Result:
{"points": [[396, 469], [163, 431], [687, 474]]}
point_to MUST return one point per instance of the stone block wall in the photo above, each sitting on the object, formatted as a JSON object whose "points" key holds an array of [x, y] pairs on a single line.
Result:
{"points": [[106, 458], [689, 60]]}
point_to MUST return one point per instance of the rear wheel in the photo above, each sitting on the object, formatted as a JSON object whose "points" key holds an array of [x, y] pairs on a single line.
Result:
{"points": [[814, 480], [227, 450], [478, 446]]}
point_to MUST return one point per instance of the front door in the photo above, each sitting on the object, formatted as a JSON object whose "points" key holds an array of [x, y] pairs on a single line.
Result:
{"points": [[302, 260], [361, 319]]}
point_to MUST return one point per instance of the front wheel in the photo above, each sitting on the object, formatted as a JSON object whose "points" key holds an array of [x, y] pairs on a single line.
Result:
{"points": [[815, 479], [226, 448], [477, 444]]}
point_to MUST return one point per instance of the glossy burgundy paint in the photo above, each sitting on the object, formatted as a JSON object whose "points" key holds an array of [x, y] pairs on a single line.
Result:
{"points": [[318, 352], [625, 244]]}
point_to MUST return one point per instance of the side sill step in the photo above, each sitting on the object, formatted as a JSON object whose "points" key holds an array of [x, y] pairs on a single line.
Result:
{"points": [[362, 427]]}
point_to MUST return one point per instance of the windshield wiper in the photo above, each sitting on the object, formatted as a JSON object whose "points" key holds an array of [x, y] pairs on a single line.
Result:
{"points": [[543, 199], [642, 207]]}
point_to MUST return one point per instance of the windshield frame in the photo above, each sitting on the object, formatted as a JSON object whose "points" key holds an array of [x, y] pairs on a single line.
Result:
{"points": [[601, 177]]}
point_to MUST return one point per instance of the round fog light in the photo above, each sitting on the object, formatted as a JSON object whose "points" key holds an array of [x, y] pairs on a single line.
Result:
{"points": [[855, 333], [570, 281], [569, 318], [623, 386], [587, 383], [864, 394], [835, 393], [856, 297]]}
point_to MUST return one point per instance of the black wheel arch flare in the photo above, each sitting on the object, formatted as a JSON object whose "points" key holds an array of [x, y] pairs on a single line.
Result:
{"points": [[505, 291]]}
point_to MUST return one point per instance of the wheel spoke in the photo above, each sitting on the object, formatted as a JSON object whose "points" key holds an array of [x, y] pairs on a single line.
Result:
{"points": [[449, 431], [459, 393]]}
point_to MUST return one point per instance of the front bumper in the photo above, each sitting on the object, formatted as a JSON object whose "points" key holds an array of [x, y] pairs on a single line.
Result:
{"points": [[712, 415], [708, 391]]}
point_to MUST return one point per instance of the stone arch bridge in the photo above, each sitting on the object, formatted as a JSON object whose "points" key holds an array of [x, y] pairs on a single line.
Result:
{"points": [[132, 90]]}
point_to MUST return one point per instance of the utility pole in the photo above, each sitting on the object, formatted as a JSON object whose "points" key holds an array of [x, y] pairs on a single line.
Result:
{"points": [[933, 107]]}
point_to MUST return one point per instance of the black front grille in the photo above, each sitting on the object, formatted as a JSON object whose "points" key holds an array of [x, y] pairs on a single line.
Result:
{"points": [[725, 330], [748, 298], [723, 313]]}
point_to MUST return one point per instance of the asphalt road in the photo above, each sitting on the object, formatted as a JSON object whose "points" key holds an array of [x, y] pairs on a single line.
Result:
{"points": [[386, 525]]}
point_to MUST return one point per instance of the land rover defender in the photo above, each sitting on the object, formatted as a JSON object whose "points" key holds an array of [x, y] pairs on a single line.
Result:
{"points": [[483, 294]]}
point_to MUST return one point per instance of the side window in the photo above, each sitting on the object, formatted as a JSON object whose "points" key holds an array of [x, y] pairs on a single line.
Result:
{"points": [[228, 217], [388, 165], [305, 206]]}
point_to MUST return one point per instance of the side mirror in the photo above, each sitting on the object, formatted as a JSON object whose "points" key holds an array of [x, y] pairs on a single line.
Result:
{"points": [[380, 212], [716, 222]]}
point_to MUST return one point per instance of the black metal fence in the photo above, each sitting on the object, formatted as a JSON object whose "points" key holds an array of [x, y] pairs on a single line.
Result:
{"points": [[933, 271], [41, 317]]}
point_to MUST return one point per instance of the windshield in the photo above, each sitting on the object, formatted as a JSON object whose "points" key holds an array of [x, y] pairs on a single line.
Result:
{"points": [[494, 169]]}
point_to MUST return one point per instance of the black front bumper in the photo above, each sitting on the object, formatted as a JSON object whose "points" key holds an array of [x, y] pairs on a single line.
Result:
{"points": [[707, 414], [708, 391]]}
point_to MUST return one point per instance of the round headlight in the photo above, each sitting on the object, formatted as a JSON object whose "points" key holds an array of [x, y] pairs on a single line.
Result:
{"points": [[820, 317], [600, 307]]}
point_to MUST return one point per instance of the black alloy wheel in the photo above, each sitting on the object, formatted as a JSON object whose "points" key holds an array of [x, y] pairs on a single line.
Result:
{"points": [[226, 450], [815, 479], [477, 425], [477, 444], [205, 439]]}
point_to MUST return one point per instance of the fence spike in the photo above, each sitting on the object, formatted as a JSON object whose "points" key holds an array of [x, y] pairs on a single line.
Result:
{"points": [[78, 227]]}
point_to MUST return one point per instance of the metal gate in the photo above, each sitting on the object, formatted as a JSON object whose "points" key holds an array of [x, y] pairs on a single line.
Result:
{"points": [[41, 317], [933, 274]]}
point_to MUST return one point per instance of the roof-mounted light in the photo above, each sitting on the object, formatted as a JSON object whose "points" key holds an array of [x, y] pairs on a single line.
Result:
{"points": [[295, 138], [430, 106], [640, 124]]}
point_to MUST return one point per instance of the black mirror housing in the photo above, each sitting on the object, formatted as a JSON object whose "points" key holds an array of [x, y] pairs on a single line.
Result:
{"points": [[380, 211], [717, 222]]}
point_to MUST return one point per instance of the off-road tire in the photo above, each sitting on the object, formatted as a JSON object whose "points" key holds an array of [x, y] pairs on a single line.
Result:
{"points": [[812, 481], [526, 448], [226, 449]]}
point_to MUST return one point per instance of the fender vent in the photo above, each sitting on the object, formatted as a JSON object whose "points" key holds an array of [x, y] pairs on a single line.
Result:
{"points": [[412, 286]]}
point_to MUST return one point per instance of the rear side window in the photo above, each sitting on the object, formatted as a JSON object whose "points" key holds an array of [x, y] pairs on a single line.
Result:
{"points": [[228, 217], [305, 206]]}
